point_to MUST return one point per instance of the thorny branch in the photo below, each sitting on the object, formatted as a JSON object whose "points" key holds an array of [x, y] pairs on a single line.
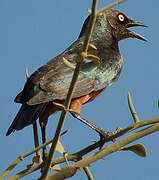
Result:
{"points": [[80, 58], [81, 153], [83, 163]]}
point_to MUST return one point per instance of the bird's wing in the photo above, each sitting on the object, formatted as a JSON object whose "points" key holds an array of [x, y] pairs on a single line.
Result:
{"points": [[56, 79]]}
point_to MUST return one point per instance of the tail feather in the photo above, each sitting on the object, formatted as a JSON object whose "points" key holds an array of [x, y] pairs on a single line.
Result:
{"points": [[26, 116]]}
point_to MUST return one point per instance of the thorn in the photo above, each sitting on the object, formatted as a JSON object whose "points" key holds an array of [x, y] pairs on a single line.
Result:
{"points": [[94, 58], [27, 74], [68, 64], [66, 131], [89, 11], [93, 46], [132, 109], [21, 158], [65, 157], [60, 106]]}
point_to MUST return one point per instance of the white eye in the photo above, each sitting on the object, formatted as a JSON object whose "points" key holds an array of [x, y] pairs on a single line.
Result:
{"points": [[121, 17]]}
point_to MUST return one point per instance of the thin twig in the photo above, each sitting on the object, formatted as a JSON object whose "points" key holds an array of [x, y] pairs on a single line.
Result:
{"points": [[111, 6], [91, 26], [8, 170], [26, 171], [40, 147], [108, 7], [20, 158]]}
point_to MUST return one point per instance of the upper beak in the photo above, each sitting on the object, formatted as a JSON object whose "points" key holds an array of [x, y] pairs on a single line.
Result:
{"points": [[134, 34]]}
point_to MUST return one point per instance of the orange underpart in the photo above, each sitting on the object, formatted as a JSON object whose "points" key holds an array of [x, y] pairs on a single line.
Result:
{"points": [[77, 103], [18, 98]]}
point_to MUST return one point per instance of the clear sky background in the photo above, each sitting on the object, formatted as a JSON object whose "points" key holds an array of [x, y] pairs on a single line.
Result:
{"points": [[34, 31]]}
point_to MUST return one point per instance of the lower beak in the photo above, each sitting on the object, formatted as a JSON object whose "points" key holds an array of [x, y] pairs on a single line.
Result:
{"points": [[134, 34]]}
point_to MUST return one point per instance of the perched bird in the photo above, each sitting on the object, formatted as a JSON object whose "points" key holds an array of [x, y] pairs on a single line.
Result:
{"points": [[50, 83]]}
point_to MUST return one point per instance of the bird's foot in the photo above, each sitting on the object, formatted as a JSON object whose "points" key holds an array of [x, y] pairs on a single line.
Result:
{"points": [[104, 137], [107, 136]]}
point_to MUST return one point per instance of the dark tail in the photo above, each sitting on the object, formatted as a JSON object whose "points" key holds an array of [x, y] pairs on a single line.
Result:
{"points": [[26, 116]]}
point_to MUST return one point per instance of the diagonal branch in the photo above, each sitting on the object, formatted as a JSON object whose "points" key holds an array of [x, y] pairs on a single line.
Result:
{"points": [[76, 155], [116, 146], [70, 92]]}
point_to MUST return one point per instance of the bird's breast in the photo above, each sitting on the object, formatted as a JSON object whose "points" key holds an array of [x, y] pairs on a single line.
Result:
{"points": [[106, 74]]}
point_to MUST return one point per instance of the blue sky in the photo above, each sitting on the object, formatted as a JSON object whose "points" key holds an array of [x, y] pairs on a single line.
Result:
{"points": [[33, 32]]}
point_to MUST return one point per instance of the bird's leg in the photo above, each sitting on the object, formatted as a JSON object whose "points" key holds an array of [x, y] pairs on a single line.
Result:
{"points": [[49, 110], [103, 134], [43, 133], [75, 111]]}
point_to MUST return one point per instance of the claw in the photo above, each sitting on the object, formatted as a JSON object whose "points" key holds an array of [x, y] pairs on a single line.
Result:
{"points": [[104, 137]]}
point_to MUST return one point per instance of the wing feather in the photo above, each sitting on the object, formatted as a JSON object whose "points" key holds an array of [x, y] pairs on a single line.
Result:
{"points": [[55, 84], [51, 81]]}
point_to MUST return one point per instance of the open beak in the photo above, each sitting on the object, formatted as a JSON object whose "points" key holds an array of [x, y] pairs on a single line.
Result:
{"points": [[134, 34]]}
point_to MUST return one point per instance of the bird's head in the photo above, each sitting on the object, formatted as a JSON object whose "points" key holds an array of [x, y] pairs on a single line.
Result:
{"points": [[119, 24], [112, 24]]}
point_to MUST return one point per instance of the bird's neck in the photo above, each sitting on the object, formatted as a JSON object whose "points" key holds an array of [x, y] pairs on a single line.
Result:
{"points": [[101, 36], [101, 42]]}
